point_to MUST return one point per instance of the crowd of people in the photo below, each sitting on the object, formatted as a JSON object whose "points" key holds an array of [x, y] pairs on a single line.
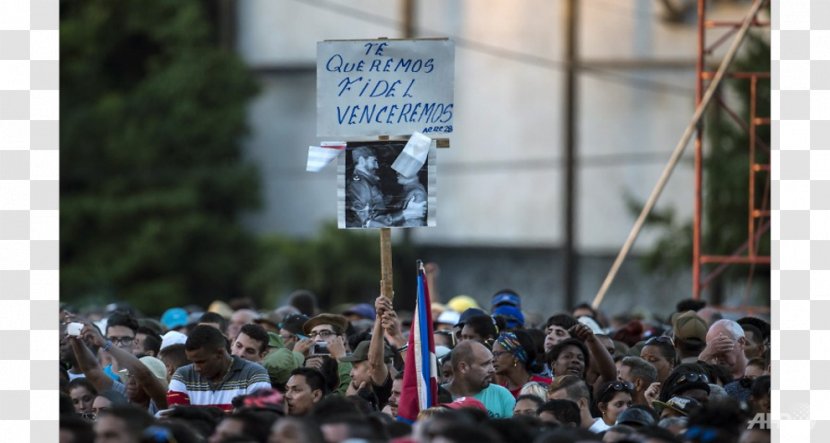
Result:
{"points": [[231, 373]]}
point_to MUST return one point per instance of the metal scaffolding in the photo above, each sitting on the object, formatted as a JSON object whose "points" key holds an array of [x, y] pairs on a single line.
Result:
{"points": [[758, 213], [703, 97]]}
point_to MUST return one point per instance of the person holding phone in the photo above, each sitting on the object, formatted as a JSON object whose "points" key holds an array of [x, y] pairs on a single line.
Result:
{"points": [[142, 387], [326, 335]]}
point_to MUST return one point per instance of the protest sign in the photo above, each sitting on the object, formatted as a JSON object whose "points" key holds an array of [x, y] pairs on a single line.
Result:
{"points": [[384, 87]]}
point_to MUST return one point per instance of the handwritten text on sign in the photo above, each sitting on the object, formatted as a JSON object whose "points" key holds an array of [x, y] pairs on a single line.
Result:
{"points": [[384, 87]]}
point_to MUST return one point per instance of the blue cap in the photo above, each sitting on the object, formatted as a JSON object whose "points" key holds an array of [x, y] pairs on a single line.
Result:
{"points": [[174, 318], [364, 310], [506, 297], [512, 314]]}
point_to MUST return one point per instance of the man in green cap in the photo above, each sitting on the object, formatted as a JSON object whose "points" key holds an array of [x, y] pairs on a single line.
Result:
{"points": [[369, 372], [326, 335], [368, 360]]}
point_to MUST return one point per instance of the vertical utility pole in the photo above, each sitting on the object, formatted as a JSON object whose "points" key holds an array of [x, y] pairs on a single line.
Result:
{"points": [[570, 270], [408, 18], [227, 24], [407, 31], [407, 298]]}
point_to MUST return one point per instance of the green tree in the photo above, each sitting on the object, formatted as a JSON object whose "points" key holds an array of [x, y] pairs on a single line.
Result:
{"points": [[152, 177], [726, 184], [339, 265]]}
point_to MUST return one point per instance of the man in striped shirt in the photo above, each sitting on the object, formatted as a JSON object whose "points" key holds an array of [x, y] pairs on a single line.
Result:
{"points": [[214, 377]]}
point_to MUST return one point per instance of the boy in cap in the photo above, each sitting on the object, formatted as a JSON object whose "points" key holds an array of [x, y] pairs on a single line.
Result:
{"points": [[689, 336], [369, 372], [368, 360]]}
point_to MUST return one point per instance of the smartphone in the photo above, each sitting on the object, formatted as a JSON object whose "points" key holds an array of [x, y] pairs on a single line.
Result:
{"points": [[74, 329], [320, 348]]}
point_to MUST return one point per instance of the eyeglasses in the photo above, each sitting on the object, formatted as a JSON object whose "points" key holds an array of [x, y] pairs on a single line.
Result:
{"points": [[617, 386], [322, 334], [121, 340], [661, 339], [497, 354], [693, 377]]}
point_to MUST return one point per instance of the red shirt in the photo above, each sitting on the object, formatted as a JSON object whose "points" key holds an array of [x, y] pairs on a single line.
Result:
{"points": [[533, 378]]}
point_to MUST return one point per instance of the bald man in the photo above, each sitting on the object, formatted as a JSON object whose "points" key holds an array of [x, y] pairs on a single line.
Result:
{"points": [[725, 343], [473, 376]]}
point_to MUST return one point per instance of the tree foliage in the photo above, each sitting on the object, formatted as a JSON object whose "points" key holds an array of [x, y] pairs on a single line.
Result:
{"points": [[339, 265], [152, 177]]}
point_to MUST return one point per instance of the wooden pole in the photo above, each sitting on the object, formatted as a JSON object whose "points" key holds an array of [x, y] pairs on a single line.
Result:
{"points": [[386, 288]]}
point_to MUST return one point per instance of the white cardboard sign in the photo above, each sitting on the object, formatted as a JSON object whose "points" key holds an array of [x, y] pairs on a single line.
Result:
{"points": [[384, 87]]}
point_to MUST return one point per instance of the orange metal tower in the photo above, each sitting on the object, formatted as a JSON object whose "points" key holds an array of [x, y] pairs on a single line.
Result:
{"points": [[758, 213]]}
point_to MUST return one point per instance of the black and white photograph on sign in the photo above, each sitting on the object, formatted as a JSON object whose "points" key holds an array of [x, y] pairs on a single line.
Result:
{"points": [[371, 194]]}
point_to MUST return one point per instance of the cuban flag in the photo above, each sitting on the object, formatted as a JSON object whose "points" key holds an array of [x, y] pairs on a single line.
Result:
{"points": [[420, 377]]}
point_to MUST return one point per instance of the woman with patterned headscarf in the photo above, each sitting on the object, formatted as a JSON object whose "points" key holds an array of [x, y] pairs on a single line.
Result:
{"points": [[513, 359]]}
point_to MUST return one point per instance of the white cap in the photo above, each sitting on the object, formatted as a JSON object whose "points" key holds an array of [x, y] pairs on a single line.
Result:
{"points": [[441, 351], [449, 317], [172, 338], [156, 367], [591, 323], [102, 325]]}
